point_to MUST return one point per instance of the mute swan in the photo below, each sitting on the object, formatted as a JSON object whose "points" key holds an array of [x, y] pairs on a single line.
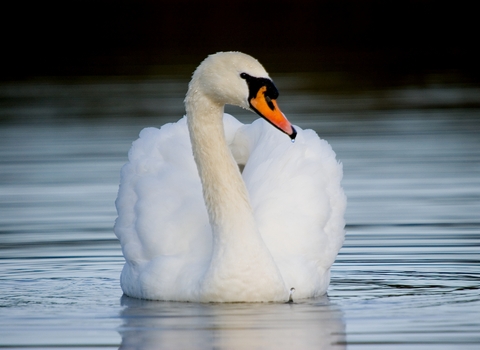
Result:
{"points": [[252, 236]]}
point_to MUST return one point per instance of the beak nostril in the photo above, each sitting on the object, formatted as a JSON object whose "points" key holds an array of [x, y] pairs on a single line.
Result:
{"points": [[269, 102]]}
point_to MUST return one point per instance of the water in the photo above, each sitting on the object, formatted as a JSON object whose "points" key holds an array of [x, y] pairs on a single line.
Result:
{"points": [[407, 277]]}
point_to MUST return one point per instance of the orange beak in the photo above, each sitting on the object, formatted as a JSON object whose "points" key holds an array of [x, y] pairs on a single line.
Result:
{"points": [[268, 109]]}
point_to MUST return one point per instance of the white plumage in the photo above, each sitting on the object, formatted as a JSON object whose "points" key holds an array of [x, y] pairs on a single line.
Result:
{"points": [[251, 236]]}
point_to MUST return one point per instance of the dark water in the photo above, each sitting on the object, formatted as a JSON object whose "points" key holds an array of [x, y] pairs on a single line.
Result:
{"points": [[407, 277]]}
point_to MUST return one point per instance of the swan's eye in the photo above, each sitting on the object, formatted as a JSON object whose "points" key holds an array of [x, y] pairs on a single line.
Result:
{"points": [[255, 84]]}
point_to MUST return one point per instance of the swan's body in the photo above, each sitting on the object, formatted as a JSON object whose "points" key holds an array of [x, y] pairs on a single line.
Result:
{"points": [[253, 235]]}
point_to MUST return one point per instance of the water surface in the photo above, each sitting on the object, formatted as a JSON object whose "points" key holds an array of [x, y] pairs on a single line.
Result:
{"points": [[406, 278]]}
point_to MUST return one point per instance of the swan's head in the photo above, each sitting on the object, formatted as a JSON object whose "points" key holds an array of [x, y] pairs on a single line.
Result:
{"points": [[239, 79]]}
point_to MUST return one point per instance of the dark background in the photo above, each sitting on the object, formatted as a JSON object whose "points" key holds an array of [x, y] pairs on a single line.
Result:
{"points": [[384, 40]]}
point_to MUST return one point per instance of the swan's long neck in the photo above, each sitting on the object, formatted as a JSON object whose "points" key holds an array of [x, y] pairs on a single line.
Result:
{"points": [[225, 194], [239, 255]]}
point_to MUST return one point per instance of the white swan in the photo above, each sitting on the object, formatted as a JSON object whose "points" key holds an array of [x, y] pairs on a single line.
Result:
{"points": [[253, 235]]}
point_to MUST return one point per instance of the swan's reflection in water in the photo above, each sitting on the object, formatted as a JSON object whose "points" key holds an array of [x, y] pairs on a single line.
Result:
{"points": [[310, 324]]}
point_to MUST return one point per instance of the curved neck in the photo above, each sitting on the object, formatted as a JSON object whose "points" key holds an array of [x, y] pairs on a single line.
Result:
{"points": [[224, 191], [239, 255]]}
